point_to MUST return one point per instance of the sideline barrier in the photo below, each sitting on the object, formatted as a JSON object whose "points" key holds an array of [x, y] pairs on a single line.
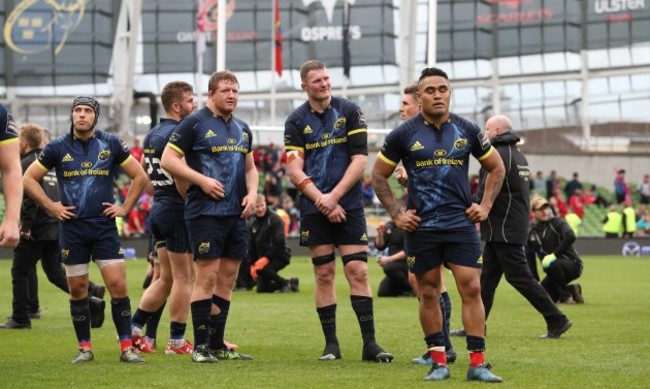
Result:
{"points": [[637, 247]]}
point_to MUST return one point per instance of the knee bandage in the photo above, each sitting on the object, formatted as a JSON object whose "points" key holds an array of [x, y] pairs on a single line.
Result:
{"points": [[361, 256], [76, 270], [323, 259]]}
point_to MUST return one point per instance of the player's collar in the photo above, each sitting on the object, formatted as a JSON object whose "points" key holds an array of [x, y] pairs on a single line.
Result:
{"points": [[312, 110], [74, 137], [448, 121]]}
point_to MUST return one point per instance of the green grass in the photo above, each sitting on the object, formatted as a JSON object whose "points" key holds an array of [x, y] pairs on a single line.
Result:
{"points": [[606, 348]]}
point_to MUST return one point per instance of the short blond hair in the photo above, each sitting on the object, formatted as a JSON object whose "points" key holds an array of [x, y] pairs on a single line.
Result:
{"points": [[309, 66], [216, 77], [32, 134]]}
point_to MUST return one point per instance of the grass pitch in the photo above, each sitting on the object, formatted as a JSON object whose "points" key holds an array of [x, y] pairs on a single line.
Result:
{"points": [[606, 348]]}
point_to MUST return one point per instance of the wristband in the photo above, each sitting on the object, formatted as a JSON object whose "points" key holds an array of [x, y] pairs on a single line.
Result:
{"points": [[304, 184], [293, 156]]}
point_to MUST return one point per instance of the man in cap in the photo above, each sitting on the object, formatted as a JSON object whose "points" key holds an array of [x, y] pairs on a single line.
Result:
{"points": [[551, 240], [86, 160]]}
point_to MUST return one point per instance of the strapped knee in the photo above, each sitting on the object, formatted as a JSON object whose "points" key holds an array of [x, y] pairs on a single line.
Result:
{"points": [[317, 261], [361, 256], [76, 270]]}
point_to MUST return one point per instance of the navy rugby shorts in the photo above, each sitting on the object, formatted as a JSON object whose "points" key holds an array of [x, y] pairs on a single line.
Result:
{"points": [[427, 249], [213, 237], [83, 240], [316, 229]]}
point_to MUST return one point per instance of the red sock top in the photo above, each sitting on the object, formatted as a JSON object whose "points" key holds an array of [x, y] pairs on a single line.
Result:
{"points": [[125, 344], [438, 355], [476, 358]]}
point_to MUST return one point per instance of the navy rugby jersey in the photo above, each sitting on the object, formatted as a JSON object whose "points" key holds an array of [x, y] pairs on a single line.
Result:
{"points": [[323, 138], [437, 164], [215, 148], [8, 133], [85, 170], [154, 143]]}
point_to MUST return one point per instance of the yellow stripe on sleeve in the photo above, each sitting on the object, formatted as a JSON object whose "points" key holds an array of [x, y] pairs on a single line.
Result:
{"points": [[39, 164], [126, 160], [388, 161], [176, 148], [8, 141], [295, 148], [490, 150], [357, 131]]}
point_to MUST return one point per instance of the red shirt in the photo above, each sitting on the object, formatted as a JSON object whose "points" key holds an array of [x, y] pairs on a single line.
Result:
{"points": [[578, 205], [137, 153]]}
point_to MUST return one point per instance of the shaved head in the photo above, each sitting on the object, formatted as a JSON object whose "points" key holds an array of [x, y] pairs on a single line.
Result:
{"points": [[496, 125]]}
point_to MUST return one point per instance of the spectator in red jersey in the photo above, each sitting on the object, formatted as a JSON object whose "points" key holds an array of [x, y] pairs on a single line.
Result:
{"points": [[132, 227], [136, 150], [589, 197], [577, 203], [258, 157]]}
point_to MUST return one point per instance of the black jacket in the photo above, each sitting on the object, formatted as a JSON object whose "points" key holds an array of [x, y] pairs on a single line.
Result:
{"points": [[267, 238], [393, 239], [553, 237], [509, 218], [33, 218]]}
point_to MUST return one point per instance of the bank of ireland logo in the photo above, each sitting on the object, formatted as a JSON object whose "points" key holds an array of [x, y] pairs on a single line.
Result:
{"points": [[328, 5], [631, 249]]}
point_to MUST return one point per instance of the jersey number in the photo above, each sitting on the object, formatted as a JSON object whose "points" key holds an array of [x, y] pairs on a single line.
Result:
{"points": [[159, 176]]}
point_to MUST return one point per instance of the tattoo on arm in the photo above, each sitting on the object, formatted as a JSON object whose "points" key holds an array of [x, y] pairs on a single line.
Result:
{"points": [[493, 184], [385, 195], [496, 188]]}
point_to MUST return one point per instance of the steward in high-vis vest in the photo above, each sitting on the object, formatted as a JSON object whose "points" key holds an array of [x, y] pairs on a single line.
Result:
{"points": [[613, 223], [629, 221], [573, 220]]}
